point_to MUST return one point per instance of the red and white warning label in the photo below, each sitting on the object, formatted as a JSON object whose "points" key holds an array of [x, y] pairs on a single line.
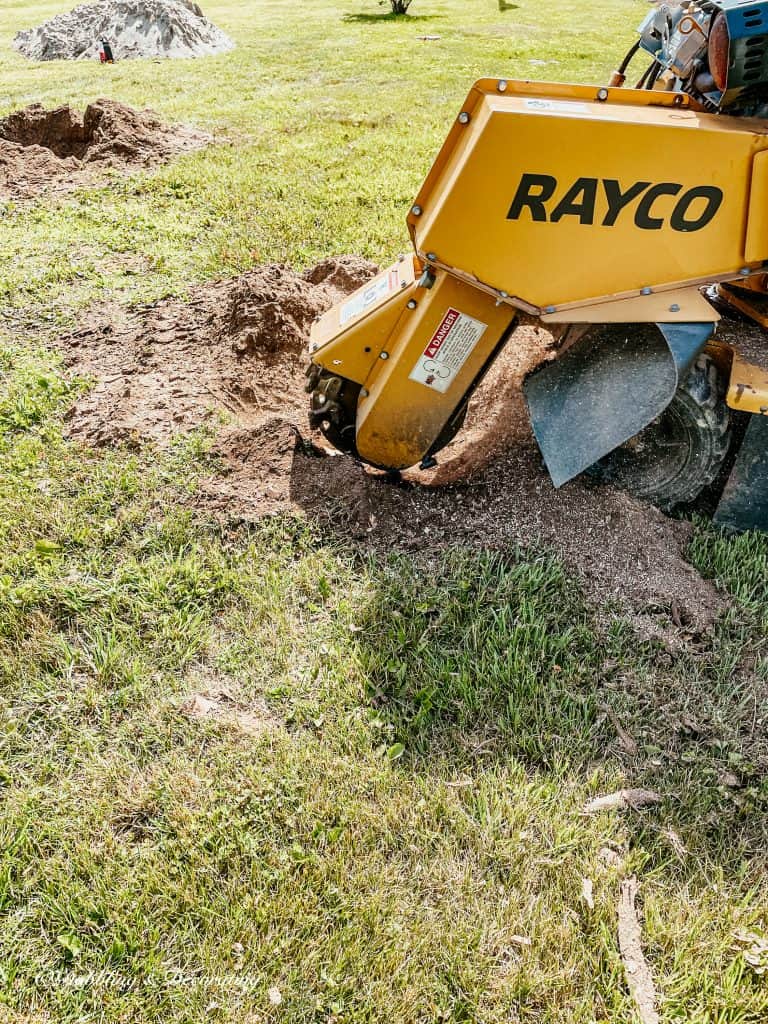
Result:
{"points": [[447, 350]]}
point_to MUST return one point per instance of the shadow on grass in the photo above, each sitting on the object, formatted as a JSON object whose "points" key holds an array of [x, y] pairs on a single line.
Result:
{"points": [[485, 658], [376, 19], [489, 653], [474, 658]]}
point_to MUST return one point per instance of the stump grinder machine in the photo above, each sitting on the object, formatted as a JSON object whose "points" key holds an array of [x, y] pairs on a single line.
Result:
{"points": [[622, 219]]}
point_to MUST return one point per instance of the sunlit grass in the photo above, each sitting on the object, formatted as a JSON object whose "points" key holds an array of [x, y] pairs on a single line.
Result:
{"points": [[403, 840], [326, 126]]}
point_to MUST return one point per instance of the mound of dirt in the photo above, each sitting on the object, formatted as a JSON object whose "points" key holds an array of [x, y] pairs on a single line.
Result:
{"points": [[43, 150], [497, 417], [133, 28], [233, 357], [235, 350], [623, 551]]}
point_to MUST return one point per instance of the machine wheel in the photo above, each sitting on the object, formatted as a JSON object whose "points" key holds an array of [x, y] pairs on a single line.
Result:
{"points": [[683, 450]]}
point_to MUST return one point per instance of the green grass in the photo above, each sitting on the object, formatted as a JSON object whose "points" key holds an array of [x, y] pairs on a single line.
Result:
{"points": [[328, 125], [412, 805]]}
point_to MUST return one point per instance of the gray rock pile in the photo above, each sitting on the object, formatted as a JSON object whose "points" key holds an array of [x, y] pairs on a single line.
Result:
{"points": [[133, 28]]}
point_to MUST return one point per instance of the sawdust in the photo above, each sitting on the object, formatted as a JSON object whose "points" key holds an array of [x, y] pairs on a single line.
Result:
{"points": [[133, 29], [623, 551], [232, 358], [52, 150], [497, 417]]}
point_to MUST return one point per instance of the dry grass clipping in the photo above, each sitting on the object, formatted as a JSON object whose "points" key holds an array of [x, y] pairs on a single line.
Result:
{"points": [[639, 979]]}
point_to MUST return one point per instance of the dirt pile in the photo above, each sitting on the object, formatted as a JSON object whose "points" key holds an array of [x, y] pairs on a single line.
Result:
{"points": [[623, 550], [235, 351], [497, 418], [133, 28], [43, 150], [233, 357]]}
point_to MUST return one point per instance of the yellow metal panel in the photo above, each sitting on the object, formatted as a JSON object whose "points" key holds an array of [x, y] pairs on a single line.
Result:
{"points": [[756, 245], [350, 336], [587, 246], [403, 407], [686, 305], [748, 390]]}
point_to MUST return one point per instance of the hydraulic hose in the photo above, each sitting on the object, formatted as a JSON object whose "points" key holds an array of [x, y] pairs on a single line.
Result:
{"points": [[619, 76]]}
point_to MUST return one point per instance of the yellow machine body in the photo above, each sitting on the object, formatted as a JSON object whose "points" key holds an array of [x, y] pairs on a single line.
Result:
{"points": [[659, 196], [575, 204], [416, 353], [748, 388]]}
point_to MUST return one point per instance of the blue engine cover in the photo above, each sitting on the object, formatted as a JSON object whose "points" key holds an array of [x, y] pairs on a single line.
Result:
{"points": [[667, 34], [748, 29]]}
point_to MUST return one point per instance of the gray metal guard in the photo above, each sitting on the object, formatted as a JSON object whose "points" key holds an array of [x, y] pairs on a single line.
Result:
{"points": [[615, 381]]}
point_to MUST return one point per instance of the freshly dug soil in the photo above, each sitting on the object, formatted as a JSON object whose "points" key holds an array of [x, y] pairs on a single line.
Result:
{"points": [[47, 150], [233, 358], [234, 352], [133, 28], [623, 550]]}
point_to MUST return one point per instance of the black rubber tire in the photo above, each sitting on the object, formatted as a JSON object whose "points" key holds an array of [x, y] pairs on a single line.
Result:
{"points": [[682, 452]]}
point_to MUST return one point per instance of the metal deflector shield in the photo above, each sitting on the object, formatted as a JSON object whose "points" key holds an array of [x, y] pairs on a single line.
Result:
{"points": [[615, 381]]}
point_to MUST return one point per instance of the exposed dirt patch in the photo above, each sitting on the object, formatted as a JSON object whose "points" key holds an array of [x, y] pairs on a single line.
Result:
{"points": [[216, 697], [623, 550], [345, 274], [497, 418], [53, 150], [235, 351], [253, 719]]}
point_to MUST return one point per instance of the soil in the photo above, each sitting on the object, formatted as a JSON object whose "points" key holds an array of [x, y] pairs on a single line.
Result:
{"points": [[51, 150], [133, 29], [233, 352], [220, 704], [233, 358]]}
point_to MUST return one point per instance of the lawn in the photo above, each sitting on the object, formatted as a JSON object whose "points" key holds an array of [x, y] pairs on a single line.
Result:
{"points": [[383, 820]]}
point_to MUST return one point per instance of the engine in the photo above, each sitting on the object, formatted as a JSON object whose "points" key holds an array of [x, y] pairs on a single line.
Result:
{"points": [[714, 50]]}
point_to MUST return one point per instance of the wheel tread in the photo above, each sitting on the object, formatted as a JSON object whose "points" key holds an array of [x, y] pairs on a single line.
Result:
{"points": [[700, 401]]}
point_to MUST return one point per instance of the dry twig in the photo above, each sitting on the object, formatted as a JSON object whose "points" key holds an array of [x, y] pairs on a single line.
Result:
{"points": [[628, 743], [639, 979], [632, 798]]}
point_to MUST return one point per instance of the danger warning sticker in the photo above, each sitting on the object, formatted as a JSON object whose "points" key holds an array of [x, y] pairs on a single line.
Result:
{"points": [[381, 287], [447, 350]]}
